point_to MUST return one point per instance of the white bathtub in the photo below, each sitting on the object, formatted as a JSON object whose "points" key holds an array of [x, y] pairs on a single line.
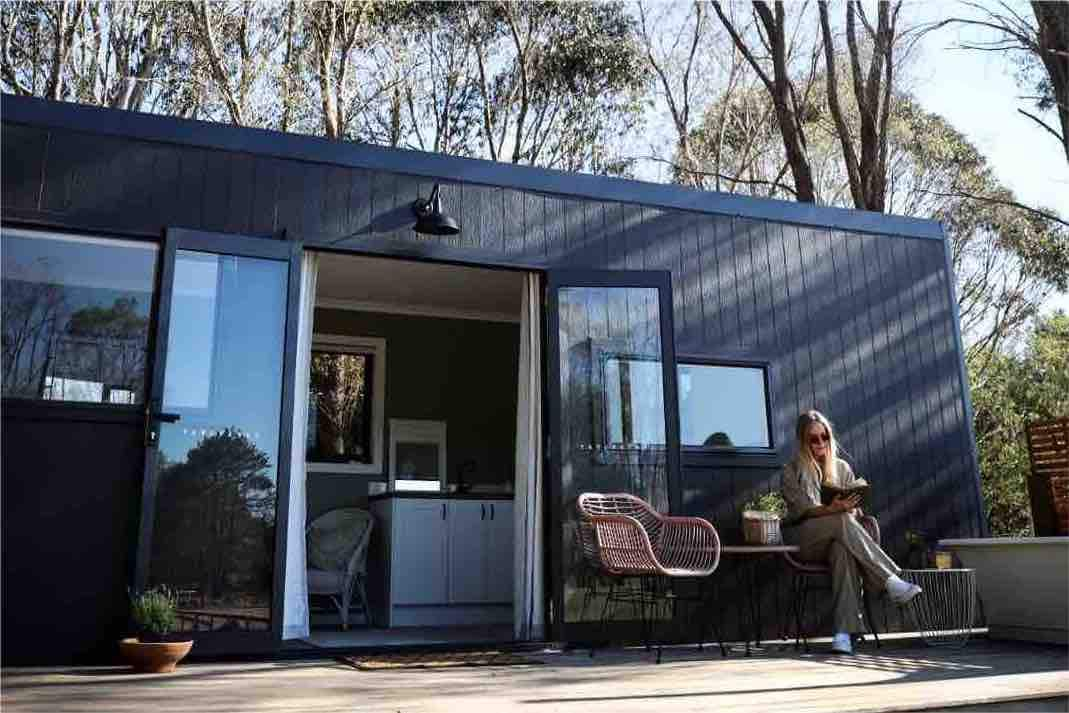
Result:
{"points": [[1024, 584]]}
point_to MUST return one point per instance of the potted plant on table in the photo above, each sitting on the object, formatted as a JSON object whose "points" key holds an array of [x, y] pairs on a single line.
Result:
{"points": [[761, 519], [157, 648]]}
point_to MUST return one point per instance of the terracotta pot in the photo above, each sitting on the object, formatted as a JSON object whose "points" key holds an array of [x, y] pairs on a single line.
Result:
{"points": [[148, 657]]}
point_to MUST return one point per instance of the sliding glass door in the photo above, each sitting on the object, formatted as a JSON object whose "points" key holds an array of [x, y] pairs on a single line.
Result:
{"points": [[217, 454]]}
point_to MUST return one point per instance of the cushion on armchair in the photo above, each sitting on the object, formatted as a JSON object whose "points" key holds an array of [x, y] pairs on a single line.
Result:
{"points": [[332, 537]]}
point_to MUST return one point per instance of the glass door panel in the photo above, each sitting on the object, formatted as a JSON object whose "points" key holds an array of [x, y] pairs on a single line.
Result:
{"points": [[215, 476], [612, 402]]}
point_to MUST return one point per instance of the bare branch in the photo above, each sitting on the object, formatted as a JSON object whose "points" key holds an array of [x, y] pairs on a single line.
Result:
{"points": [[1000, 201], [1043, 124], [775, 183]]}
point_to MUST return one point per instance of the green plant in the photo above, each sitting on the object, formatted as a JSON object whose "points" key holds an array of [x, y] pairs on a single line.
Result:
{"points": [[771, 501], [154, 611]]}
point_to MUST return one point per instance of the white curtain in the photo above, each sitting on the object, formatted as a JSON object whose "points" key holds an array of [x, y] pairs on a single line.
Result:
{"points": [[528, 611], [295, 606]]}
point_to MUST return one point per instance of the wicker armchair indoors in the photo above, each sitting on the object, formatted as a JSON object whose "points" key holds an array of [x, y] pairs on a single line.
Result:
{"points": [[622, 536]]}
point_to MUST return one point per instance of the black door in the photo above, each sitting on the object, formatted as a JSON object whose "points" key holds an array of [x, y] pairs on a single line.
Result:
{"points": [[217, 467], [613, 414], [76, 329]]}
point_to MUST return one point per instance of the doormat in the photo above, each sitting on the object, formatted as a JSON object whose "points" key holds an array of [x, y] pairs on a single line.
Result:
{"points": [[436, 659]]}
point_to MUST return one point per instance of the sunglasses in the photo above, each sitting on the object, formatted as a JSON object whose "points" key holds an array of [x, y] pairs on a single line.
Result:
{"points": [[824, 437]]}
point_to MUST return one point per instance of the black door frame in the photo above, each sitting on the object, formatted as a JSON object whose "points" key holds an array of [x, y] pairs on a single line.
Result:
{"points": [[291, 252], [556, 279]]}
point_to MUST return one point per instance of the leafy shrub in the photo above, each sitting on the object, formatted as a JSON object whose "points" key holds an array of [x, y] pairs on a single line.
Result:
{"points": [[771, 501], [154, 611]]}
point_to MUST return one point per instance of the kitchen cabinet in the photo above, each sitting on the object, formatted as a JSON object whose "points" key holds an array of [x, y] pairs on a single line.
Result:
{"points": [[419, 551], [445, 561]]}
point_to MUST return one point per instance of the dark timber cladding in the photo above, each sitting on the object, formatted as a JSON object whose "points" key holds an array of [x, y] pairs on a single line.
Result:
{"points": [[854, 312]]}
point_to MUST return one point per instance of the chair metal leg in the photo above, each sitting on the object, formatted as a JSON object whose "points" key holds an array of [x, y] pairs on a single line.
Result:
{"points": [[796, 606], [604, 613], [870, 619], [707, 603], [804, 609]]}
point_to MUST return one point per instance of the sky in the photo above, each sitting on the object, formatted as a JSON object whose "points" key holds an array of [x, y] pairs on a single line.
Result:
{"points": [[977, 93]]}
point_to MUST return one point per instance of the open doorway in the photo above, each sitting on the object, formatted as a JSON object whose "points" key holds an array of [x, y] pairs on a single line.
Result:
{"points": [[415, 374]]}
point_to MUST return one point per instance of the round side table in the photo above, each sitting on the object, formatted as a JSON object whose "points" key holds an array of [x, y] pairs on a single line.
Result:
{"points": [[945, 611]]}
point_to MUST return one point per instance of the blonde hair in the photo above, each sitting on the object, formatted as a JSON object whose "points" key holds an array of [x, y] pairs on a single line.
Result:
{"points": [[803, 458]]}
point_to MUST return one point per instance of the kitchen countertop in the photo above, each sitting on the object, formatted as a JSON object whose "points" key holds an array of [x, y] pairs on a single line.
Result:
{"points": [[422, 495]]}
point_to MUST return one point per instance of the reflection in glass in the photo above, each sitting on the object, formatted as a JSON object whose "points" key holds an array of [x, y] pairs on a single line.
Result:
{"points": [[634, 402], [723, 406], [339, 417], [417, 461], [213, 536], [612, 412], [75, 317]]}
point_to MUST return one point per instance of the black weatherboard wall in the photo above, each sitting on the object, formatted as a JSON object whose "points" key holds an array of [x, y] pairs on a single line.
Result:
{"points": [[853, 311]]}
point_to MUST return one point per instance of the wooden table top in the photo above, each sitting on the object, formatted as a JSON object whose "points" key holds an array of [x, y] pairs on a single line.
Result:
{"points": [[757, 549]]}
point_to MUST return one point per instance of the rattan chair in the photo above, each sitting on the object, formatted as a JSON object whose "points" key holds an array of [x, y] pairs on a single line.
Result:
{"points": [[622, 536], [803, 572], [337, 544]]}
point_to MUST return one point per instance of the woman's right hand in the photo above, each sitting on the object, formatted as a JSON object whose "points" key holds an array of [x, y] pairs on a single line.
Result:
{"points": [[845, 504]]}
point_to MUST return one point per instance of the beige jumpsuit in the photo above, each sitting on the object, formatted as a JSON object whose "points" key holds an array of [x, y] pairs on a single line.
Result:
{"points": [[839, 540]]}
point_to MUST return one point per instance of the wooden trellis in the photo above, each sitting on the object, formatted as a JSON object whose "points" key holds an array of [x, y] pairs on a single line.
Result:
{"points": [[1048, 484]]}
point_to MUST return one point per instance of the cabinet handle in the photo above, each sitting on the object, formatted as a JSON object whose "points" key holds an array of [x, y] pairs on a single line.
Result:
{"points": [[482, 509], [491, 511], [443, 511]]}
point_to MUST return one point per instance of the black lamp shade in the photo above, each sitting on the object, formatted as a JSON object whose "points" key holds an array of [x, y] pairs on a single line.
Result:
{"points": [[430, 220]]}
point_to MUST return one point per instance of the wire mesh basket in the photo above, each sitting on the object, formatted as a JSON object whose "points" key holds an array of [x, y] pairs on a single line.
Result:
{"points": [[945, 611]]}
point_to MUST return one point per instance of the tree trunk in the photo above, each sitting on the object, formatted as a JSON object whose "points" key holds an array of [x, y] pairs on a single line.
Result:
{"points": [[1053, 36]]}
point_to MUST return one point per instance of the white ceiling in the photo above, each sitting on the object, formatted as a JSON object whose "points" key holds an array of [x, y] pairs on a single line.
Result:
{"points": [[405, 286]]}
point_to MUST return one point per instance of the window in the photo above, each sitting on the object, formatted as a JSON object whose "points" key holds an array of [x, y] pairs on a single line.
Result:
{"points": [[723, 406], [76, 316], [347, 378], [417, 455]]}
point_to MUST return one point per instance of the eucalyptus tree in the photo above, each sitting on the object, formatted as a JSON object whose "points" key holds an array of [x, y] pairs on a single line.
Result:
{"points": [[557, 82], [109, 54], [38, 39], [675, 50], [864, 157], [772, 56], [236, 45]]}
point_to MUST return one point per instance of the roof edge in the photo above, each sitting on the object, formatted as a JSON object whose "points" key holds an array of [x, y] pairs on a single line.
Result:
{"points": [[187, 132]]}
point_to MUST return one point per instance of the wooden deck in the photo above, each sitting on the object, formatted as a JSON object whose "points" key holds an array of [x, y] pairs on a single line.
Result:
{"points": [[903, 675]]}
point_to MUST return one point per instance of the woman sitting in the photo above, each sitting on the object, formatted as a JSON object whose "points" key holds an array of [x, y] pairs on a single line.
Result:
{"points": [[831, 533]]}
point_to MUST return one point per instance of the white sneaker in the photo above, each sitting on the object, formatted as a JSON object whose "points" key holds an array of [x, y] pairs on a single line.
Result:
{"points": [[900, 591], [841, 644]]}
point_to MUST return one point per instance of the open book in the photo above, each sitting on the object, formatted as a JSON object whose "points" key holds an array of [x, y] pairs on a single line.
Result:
{"points": [[858, 487]]}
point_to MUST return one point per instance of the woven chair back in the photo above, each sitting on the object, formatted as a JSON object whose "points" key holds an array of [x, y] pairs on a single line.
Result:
{"points": [[623, 504]]}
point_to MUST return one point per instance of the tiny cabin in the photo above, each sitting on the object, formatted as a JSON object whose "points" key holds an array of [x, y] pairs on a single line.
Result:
{"points": [[337, 395]]}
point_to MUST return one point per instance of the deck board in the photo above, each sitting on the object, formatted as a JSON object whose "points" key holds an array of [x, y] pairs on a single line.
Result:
{"points": [[903, 675]]}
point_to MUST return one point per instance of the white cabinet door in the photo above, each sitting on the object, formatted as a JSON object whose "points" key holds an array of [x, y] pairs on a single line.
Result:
{"points": [[468, 527], [500, 565], [419, 562]]}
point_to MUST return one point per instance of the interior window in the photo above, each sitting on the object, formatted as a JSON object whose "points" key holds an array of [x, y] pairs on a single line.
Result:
{"points": [[723, 406], [76, 315], [339, 407]]}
